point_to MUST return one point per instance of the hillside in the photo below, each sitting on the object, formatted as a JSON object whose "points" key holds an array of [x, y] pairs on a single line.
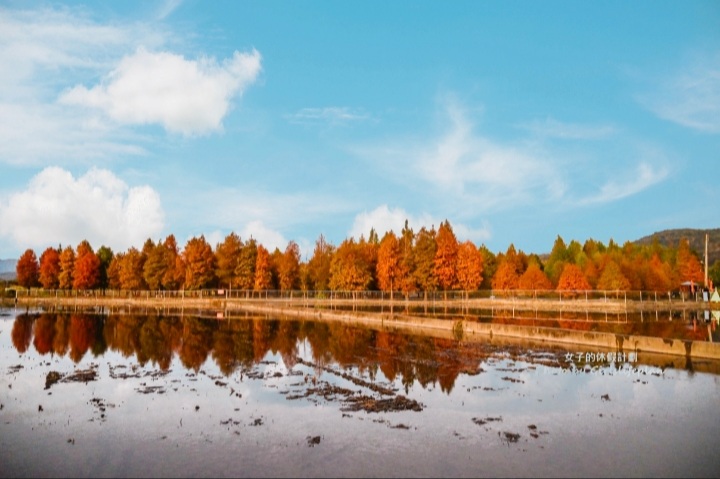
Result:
{"points": [[697, 241], [7, 265]]}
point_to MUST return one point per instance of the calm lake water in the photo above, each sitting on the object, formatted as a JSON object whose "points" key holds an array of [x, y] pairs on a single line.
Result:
{"points": [[100, 394]]}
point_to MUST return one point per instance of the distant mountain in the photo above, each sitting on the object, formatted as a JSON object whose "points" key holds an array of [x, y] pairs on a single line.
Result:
{"points": [[8, 276], [695, 236], [7, 265]]}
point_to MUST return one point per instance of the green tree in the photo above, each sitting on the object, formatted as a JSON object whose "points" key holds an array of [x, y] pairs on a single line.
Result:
{"points": [[228, 258], [245, 269], [156, 266], [425, 250], [105, 255], [613, 279], [490, 265], [319, 264], [289, 267], [559, 257]]}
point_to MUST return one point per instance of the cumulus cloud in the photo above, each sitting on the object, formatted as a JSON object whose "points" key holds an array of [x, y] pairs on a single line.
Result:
{"points": [[384, 219], [184, 96], [57, 208], [267, 237]]}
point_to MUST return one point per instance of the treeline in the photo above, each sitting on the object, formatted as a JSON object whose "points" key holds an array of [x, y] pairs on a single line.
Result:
{"points": [[411, 262]]}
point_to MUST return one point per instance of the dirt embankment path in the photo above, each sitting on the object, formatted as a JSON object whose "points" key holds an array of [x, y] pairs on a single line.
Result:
{"points": [[577, 304]]}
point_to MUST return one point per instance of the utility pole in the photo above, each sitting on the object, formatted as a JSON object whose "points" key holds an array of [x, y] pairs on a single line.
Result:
{"points": [[706, 259]]}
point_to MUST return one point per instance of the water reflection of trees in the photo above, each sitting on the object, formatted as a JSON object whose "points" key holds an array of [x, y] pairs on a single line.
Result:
{"points": [[239, 344]]}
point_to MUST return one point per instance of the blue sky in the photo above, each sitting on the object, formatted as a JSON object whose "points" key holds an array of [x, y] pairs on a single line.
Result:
{"points": [[517, 121]]}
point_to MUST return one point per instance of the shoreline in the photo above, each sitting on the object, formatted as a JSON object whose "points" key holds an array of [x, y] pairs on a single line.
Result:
{"points": [[400, 318]]}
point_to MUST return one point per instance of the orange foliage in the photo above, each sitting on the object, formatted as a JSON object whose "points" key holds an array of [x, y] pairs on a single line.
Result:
{"points": [[506, 277], [131, 270], [446, 257], [469, 266], [688, 265], [199, 262], [572, 279], [87, 268], [49, 268], [534, 278], [350, 269], [263, 270], [657, 275], [28, 270], [388, 263], [67, 265], [289, 267]]}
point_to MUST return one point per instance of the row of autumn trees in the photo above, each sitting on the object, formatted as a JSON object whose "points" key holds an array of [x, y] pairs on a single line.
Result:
{"points": [[412, 262]]}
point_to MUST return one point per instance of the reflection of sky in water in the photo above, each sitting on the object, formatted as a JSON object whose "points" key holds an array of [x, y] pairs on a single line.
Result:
{"points": [[600, 423]]}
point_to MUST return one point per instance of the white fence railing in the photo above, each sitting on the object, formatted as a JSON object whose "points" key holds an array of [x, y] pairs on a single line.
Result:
{"points": [[235, 294]]}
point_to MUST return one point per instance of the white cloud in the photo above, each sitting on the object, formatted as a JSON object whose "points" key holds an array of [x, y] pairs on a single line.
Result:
{"points": [[384, 219], [467, 174], [332, 115], [43, 50], [465, 170], [691, 98], [30, 134], [551, 128], [184, 96], [644, 177], [47, 41], [167, 7], [265, 236], [99, 207]]}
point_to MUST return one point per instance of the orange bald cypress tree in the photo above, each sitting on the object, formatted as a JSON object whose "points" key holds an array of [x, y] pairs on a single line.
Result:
{"points": [[469, 267], [67, 265], [199, 262], [572, 279], [28, 270], [388, 263], [87, 267], [49, 268], [289, 267], [688, 267], [446, 257], [534, 278], [263, 269]]}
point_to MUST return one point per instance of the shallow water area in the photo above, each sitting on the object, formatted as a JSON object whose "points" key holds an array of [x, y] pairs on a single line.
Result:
{"points": [[137, 395]]}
